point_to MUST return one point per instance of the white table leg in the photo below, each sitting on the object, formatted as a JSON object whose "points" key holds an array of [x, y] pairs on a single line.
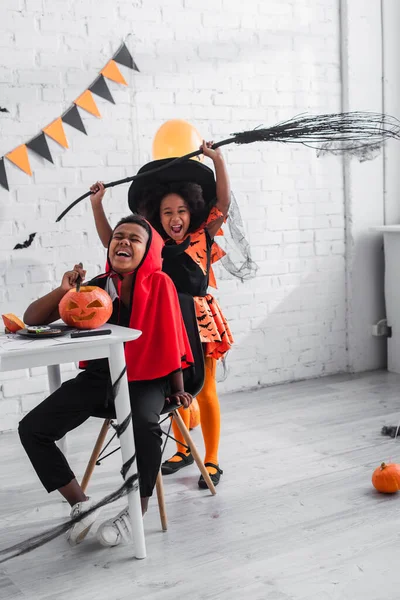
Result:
{"points": [[54, 376], [123, 409]]}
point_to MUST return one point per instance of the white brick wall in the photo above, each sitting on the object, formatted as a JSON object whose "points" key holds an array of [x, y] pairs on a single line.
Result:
{"points": [[225, 66]]}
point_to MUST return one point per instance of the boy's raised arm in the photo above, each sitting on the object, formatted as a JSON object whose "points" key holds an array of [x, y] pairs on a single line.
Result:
{"points": [[45, 309], [102, 225]]}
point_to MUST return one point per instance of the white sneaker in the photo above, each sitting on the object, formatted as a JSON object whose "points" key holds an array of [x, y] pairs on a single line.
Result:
{"points": [[114, 531], [79, 531]]}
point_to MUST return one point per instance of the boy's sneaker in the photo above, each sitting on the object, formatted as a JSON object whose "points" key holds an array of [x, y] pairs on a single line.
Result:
{"points": [[114, 531], [79, 531]]}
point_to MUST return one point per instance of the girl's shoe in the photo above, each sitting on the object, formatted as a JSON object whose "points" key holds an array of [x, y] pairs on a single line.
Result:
{"points": [[168, 467], [215, 477]]}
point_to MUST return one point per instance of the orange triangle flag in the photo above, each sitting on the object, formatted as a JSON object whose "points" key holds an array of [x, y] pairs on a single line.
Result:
{"points": [[111, 71], [19, 157], [56, 131], [86, 101]]}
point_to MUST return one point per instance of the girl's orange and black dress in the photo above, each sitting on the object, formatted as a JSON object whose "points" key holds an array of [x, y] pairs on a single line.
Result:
{"points": [[189, 264]]}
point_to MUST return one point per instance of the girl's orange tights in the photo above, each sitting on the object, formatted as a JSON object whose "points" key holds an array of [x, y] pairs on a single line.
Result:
{"points": [[210, 417]]}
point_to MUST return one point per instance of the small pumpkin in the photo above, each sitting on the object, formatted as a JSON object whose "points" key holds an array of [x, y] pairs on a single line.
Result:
{"points": [[12, 323], [89, 308], [386, 478], [194, 414]]}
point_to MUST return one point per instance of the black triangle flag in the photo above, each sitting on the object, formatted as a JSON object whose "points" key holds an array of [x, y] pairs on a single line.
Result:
{"points": [[3, 175], [40, 146], [124, 57], [100, 88], [73, 118]]}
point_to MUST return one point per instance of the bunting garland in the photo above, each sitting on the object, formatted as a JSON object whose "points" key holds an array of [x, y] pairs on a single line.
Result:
{"points": [[55, 130], [74, 119], [3, 175], [86, 101], [40, 146], [19, 157], [111, 71], [100, 88], [124, 57]]}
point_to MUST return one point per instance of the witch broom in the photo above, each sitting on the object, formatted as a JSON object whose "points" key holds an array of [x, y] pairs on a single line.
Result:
{"points": [[352, 133]]}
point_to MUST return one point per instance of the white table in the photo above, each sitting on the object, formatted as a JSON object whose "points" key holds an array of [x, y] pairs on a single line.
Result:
{"points": [[24, 353]]}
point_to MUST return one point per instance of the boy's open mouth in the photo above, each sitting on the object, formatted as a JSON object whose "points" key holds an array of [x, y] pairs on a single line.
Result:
{"points": [[123, 254]]}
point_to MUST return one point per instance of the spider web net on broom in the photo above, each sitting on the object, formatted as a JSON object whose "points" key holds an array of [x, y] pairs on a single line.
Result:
{"points": [[358, 134], [238, 261]]}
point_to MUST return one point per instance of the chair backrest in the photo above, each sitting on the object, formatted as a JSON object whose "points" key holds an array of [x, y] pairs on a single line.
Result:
{"points": [[194, 376]]}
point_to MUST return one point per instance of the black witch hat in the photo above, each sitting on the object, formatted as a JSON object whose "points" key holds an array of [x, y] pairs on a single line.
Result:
{"points": [[182, 172]]}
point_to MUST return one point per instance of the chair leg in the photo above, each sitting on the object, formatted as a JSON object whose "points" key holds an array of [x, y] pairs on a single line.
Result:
{"points": [[189, 441], [95, 453], [161, 501]]}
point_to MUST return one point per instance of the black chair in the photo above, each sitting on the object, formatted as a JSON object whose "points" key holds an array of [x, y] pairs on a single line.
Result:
{"points": [[193, 380]]}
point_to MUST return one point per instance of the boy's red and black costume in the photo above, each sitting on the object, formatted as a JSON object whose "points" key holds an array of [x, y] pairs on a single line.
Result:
{"points": [[163, 346], [162, 349]]}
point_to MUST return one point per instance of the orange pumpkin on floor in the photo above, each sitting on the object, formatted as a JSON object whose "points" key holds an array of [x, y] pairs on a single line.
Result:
{"points": [[194, 414], [386, 478], [12, 323], [89, 308]]}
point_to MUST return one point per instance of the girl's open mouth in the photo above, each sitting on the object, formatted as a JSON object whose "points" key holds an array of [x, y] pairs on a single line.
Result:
{"points": [[177, 229]]}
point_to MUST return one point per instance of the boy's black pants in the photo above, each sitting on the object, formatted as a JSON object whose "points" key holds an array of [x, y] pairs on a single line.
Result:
{"points": [[71, 405]]}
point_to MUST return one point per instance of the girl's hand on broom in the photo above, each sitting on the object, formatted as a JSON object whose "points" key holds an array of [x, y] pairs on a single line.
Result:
{"points": [[208, 151], [98, 191]]}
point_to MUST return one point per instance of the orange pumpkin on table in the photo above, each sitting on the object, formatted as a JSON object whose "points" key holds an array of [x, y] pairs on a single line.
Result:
{"points": [[12, 323], [89, 308], [386, 478]]}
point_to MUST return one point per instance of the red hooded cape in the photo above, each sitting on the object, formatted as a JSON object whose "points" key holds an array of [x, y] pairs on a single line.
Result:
{"points": [[163, 346]]}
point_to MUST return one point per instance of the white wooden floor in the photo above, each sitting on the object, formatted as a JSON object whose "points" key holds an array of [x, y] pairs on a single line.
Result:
{"points": [[295, 517]]}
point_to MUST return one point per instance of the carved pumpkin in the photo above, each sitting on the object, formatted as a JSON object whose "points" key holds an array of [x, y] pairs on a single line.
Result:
{"points": [[386, 478], [194, 414], [89, 308], [12, 323]]}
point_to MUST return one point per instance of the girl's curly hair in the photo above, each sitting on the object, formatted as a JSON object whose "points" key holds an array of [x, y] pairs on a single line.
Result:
{"points": [[150, 201]]}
